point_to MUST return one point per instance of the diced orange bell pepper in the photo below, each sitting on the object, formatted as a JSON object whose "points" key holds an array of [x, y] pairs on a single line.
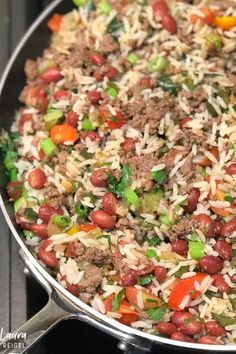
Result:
{"points": [[113, 122], [149, 301], [205, 162], [129, 315], [87, 227], [54, 23], [220, 195], [225, 22], [183, 288], [209, 16], [62, 133]]}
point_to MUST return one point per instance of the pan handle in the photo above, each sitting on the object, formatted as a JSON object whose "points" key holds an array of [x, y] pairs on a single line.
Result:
{"points": [[29, 333]]}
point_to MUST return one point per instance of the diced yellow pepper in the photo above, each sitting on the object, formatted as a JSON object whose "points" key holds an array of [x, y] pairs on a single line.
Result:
{"points": [[68, 186], [225, 22], [73, 230]]}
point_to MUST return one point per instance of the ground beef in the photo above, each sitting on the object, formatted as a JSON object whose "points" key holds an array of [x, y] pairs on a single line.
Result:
{"points": [[98, 257], [118, 263], [123, 223], [31, 69], [169, 158], [74, 250], [108, 45], [60, 161], [183, 228], [91, 280], [185, 38], [151, 112], [141, 168], [196, 98], [52, 196]]}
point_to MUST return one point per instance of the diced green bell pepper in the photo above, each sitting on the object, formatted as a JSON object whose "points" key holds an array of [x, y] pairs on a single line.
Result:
{"points": [[132, 198], [20, 203], [48, 146], [196, 249], [164, 219], [10, 159]]}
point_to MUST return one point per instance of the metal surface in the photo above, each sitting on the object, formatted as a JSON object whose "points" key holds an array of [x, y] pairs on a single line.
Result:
{"points": [[32, 44]]}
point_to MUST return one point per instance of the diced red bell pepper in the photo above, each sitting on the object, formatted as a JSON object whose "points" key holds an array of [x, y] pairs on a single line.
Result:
{"points": [[129, 315]]}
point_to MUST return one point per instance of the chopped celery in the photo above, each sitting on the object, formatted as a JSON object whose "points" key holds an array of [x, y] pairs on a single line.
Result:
{"points": [[24, 193], [28, 233], [164, 219], [132, 198], [48, 146], [196, 249], [112, 92], [19, 203], [132, 58], [79, 2], [87, 124], [105, 7], [150, 201], [51, 118], [13, 175]]}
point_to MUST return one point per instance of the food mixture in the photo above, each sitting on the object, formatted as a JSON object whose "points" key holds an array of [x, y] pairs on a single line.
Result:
{"points": [[122, 163]]}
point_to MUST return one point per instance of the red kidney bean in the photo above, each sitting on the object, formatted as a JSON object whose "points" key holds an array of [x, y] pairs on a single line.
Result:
{"points": [[129, 279], [207, 340], [25, 117], [14, 190], [231, 169], [180, 317], [166, 328], [205, 225], [211, 264], [48, 257], [73, 289], [61, 95], [169, 23], [147, 270], [99, 178], [160, 8], [191, 328], [180, 247], [193, 197], [37, 179], [111, 72], [217, 226], [233, 278], [160, 273], [94, 96], [221, 284], [72, 119], [47, 211], [110, 203], [103, 220], [224, 249], [181, 337], [184, 121], [228, 228], [40, 230], [23, 224], [51, 75], [97, 59], [128, 145], [146, 82], [214, 329]]}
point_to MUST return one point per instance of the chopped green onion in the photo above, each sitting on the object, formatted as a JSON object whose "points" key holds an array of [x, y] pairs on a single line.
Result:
{"points": [[13, 175], [132, 58], [10, 159], [62, 220], [132, 198], [158, 64], [24, 193], [145, 280], [181, 271], [164, 219], [115, 28], [81, 211], [228, 198], [168, 85], [87, 124], [30, 214], [196, 249], [159, 176], [48, 146], [79, 2], [51, 118], [211, 109], [224, 320], [153, 242], [112, 92], [108, 237], [224, 93], [28, 233], [152, 254], [116, 301], [105, 7], [19, 203]]}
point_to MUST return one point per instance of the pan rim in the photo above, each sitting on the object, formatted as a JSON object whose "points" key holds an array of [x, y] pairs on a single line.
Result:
{"points": [[53, 282]]}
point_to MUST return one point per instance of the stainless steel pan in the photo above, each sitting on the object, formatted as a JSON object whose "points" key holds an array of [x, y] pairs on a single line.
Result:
{"points": [[61, 305]]}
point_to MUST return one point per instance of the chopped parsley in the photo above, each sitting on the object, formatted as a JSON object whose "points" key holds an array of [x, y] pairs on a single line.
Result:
{"points": [[145, 280], [30, 214], [116, 301], [119, 188], [153, 242], [157, 313]]}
